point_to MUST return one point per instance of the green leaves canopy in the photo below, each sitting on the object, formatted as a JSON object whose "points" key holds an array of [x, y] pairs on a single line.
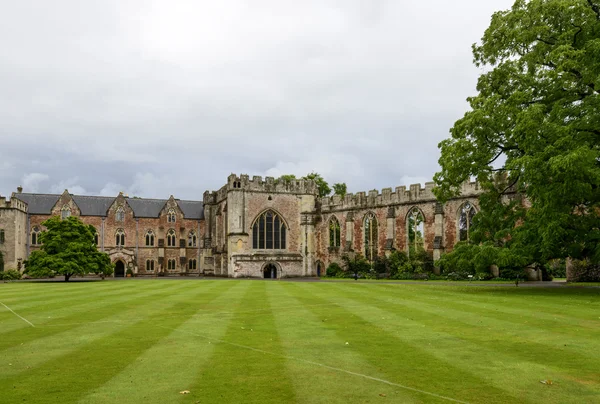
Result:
{"points": [[68, 249], [536, 120]]}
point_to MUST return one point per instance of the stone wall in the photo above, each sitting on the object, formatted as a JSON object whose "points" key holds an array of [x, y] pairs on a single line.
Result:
{"points": [[13, 221]]}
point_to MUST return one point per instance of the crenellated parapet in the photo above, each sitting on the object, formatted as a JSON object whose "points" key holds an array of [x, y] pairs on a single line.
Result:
{"points": [[415, 193], [270, 185], [13, 203]]}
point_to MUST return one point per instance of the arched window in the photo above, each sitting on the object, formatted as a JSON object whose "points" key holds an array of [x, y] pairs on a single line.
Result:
{"points": [[149, 265], [415, 223], [171, 216], [120, 214], [335, 235], [465, 218], [171, 238], [192, 264], [96, 238], [269, 232], [120, 238], [35, 235], [65, 212], [192, 239], [150, 238], [171, 264], [370, 237]]}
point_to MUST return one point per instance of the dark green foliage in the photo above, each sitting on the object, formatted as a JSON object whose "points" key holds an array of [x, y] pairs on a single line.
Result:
{"points": [[334, 269], [584, 271], [322, 185], [403, 266], [287, 178], [358, 265], [557, 268], [535, 120], [340, 189], [68, 249], [10, 275], [129, 272]]}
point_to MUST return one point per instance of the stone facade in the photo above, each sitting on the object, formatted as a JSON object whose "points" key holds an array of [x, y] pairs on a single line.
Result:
{"points": [[249, 228], [13, 223]]}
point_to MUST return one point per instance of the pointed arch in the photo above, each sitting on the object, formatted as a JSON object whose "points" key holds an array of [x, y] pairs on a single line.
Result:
{"points": [[35, 235], [269, 231], [415, 230], [65, 212], [466, 212], [371, 228], [192, 239], [171, 216], [120, 214], [120, 237], [335, 234], [171, 238], [150, 238]]}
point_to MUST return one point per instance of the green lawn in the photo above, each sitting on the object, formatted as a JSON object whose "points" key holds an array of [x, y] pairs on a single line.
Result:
{"points": [[145, 341]]}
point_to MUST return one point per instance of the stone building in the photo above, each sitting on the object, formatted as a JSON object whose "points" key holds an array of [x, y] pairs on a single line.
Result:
{"points": [[249, 228]]}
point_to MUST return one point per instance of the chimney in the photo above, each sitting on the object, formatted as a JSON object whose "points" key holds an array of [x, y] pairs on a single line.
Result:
{"points": [[19, 189]]}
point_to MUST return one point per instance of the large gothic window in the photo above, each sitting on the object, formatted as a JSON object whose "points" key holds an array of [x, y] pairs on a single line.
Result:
{"points": [[370, 237], [149, 238], [269, 232], [335, 239], [35, 236], [171, 216], [465, 219], [416, 230], [65, 212], [120, 238], [171, 238]]}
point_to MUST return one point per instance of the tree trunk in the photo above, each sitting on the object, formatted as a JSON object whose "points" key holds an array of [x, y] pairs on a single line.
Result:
{"points": [[67, 276]]}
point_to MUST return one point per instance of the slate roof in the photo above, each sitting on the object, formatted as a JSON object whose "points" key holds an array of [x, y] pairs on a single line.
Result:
{"points": [[93, 205], [39, 204], [192, 209], [42, 204], [146, 207]]}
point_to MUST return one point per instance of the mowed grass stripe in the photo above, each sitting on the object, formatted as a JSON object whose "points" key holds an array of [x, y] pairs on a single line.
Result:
{"points": [[528, 329], [92, 310], [239, 375], [305, 337], [402, 362], [47, 291], [173, 363], [449, 339], [101, 360], [28, 355]]}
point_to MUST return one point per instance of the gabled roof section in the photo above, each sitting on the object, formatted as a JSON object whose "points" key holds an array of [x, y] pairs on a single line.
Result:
{"points": [[191, 209], [39, 204], [93, 205], [146, 207]]}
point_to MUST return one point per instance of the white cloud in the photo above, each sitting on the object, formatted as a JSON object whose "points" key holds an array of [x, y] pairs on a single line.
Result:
{"points": [[71, 184], [32, 181]]}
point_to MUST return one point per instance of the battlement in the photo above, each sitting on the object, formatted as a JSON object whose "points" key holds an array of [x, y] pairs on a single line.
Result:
{"points": [[12, 203], [414, 194], [257, 184]]}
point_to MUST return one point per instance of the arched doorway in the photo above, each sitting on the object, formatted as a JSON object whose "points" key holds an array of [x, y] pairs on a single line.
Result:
{"points": [[119, 269], [318, 269], [270, 271]]}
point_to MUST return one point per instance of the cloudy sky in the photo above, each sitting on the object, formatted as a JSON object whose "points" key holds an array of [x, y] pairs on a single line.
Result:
{"points": [[161, 97]]}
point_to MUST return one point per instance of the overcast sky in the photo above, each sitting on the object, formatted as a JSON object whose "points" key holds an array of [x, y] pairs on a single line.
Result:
{"points": [[155, 98]]}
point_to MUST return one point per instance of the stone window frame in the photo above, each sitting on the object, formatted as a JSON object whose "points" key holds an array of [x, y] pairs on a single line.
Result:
{"points": [[256, 231], [171, 238], [413, 210], [463, 234], [2, 236], [335, 232], [370, 240], [171, 216], [65, 212], [120, 238], [192, 239], [35, 235], [192, 264], [150, 237], [171, 264], [149, 265], [96, 238], [120, 214]]}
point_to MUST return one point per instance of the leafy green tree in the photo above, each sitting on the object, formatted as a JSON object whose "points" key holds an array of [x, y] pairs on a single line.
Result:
{"points": [[340, 189], [287, 178], [68, 249], [536, 121], [322, 185]]}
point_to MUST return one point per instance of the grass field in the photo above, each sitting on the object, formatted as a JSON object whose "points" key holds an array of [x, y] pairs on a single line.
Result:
{"points": [[145, 341]]}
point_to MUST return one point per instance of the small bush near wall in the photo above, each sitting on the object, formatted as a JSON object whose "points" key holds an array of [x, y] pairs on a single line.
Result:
{"points": [[557, 268], [334, 269], [584, 271], [10, 275]]}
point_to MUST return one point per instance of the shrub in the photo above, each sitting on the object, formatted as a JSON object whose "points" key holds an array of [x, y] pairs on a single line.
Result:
{"points": [[10, 275], [557, 268], [584, 271], [333, 269], [129, 272]]}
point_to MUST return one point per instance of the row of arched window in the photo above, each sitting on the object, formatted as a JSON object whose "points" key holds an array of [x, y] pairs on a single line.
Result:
{"points": [[171, 264], [119, 214]]}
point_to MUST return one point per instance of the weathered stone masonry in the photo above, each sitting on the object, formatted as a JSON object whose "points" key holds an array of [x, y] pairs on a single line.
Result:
{"points": [[249, 228]]}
